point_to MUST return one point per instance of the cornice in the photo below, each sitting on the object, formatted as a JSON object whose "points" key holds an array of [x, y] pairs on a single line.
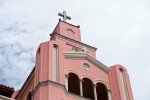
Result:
{"points": [[83, 55], [69, 24], [5, 98], [73, 41], [47, 82]]}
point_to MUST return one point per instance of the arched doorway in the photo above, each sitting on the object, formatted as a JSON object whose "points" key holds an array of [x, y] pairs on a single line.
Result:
{"points": [[101, 91], [73, 84], [88, 88]]}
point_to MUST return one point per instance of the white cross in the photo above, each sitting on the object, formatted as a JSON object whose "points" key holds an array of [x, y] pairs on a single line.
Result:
{"points": [[64, 16], [85, 49]]}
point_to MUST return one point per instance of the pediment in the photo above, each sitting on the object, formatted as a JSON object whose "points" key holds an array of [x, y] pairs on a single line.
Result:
{"points": [[83, 55]]}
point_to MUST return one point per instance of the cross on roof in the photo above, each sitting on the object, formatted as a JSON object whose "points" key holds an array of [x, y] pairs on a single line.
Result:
{"points": [[65, 17], [85, 49]]}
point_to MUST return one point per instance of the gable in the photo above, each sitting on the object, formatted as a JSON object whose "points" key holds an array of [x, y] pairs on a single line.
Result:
{"points": [[82, 55]]}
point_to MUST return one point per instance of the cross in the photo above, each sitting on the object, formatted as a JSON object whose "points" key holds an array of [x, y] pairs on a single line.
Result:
{"points": [[64, 16], [85, 49]]}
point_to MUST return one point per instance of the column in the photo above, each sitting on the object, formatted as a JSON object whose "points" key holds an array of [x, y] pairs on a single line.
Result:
{"points": [[81, 89], [95, 93], [109, 94], [32, 97], [66, 81]]}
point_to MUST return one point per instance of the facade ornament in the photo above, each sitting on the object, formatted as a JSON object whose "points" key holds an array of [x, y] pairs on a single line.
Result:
{"points": [[85, 50], [86, 66]]}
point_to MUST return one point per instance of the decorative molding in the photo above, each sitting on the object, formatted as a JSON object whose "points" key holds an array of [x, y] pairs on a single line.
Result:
{"points": [[67, 76], [108, 91], [5, 98], [82, 55], [72, 71], [103, 82], [73, 41], [87, 76], [86, 66], [44, 83], [69, 29]]}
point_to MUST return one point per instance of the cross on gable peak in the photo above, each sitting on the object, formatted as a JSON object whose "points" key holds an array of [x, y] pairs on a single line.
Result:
{"points": [[65, 17]]}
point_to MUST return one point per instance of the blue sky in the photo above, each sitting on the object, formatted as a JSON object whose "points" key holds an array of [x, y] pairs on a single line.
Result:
{"points": [[120, 29]]}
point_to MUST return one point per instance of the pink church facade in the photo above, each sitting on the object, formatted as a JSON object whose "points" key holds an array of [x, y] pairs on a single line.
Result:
{"points": [[67, 69]]}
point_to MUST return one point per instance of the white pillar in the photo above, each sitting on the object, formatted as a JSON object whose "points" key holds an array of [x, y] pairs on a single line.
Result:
{"points": [[66, 81], [81, 89], [95, 93], [32, 97], [109, 94]]}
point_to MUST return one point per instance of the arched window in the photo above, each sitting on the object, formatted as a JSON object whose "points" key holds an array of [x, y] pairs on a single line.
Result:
{"points": [[73, 84], [101, 91], [55, 63], [38, 66], [123, 83], [70, 33], [29, 96], [88, 88]]}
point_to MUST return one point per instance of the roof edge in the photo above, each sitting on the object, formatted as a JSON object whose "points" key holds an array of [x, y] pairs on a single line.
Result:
{"points": [[82, 55]]}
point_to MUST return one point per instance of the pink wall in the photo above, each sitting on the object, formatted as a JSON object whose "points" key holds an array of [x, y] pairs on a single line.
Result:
{"points": [[95, 74], [61, 29], [115, 82], [49, 92]]}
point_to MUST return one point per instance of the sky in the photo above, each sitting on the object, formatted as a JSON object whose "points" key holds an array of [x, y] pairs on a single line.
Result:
{"points": [[119, 29]]}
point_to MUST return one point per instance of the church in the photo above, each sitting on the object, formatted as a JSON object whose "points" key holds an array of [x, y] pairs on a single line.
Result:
{"points": [[67, 69]]}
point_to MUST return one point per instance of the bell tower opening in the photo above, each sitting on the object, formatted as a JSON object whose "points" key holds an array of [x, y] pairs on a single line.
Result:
{"points": [[101, 91], [73, 84], [88, 88]]}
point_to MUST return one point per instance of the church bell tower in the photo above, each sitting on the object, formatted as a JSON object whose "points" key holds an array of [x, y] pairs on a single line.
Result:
{"points": [[67, 69]]}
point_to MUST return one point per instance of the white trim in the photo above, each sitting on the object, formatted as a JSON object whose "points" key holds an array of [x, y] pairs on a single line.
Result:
{"points": [[74, 42], [55, 63], [82, 55], [95, 92], [81, 87], [5, 98], [71, 31], [109, 95], [123, 83], [66, 81], [44, 83]]}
